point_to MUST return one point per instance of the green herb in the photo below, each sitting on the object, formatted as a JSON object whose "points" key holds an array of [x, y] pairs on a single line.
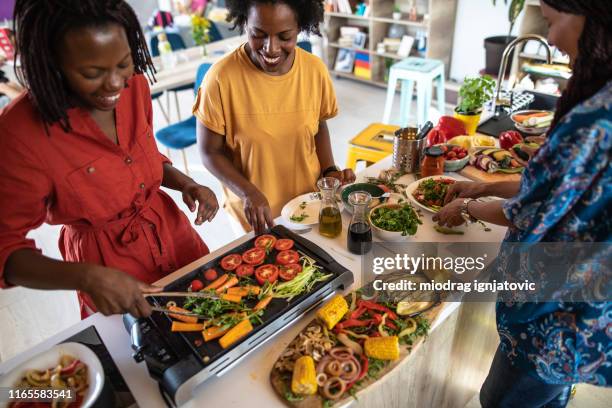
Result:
{"points": [[447, 231], [421, 330], [375, 366], [486, 228], [291, 397], [328, 404], [353, 393], [389, 183], [431, 193], [212, 308], [298, 218], [474, 93], [403, 219], [303, 205]]}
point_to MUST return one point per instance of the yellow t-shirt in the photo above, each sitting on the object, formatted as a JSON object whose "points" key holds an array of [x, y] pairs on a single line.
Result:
{"points": [[269, 123]]}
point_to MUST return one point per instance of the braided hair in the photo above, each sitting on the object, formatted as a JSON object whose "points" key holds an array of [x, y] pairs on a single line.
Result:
{"points": [[40, 27], [593, 66], [308, 13]]}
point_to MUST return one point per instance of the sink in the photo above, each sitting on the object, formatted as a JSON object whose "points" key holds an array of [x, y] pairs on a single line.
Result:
{"points": [[496, 125]]}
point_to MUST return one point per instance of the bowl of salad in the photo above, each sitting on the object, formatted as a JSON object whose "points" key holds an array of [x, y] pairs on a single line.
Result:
{"points": [[394, 221], [429, 192]]}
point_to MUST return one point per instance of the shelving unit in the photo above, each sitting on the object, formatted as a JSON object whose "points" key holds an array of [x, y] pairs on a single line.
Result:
{"points": [[436, 18]]}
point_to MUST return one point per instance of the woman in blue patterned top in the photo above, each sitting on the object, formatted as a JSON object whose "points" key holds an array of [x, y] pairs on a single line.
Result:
{"points": [[565, 195]]}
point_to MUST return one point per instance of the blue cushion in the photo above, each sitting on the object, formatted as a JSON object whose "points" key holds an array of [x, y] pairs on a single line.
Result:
{"points": [[178, 136], [175, 40]]}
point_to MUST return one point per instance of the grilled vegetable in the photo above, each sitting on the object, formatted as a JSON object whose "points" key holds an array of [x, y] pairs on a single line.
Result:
{"points": [[263, 303], [238, 291], [304, 380], [232, 297], [233, 281], [382, 348], [509, 138], [182, 318], [213, 332], [217, 282], [186, 327], [236, 333], [333, 311]]}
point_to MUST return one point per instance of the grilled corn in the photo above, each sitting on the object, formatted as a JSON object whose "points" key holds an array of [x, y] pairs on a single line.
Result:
{"points": [[333, 311], [382, 348], [304, 381]]}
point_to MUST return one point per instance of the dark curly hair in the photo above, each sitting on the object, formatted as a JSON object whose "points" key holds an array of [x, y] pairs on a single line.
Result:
{"points": [[40, 26], [309, 13], [593, 66]]}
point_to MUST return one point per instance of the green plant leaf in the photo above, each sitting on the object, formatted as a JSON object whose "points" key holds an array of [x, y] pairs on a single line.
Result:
{"points": [[515, 10]]}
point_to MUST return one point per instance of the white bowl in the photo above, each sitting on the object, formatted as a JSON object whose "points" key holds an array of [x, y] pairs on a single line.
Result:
{"points": [[384, 235], [51, 358]]}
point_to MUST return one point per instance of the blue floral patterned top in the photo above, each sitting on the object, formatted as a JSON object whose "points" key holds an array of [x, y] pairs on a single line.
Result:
{"points": [[565, 195]]}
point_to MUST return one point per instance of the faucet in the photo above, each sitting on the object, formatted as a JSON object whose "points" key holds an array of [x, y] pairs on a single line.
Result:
{"points": [[504, 63]]}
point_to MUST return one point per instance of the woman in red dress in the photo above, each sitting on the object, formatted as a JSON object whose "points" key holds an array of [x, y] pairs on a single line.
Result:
{"points": [[78, 150]]}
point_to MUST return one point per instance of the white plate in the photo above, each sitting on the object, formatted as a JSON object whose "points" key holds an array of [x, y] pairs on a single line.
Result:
{"points": [[312, 203], [410, 189], [51, 358]]}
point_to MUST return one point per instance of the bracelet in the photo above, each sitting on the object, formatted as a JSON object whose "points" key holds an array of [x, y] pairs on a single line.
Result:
{"points": [[329, 170]]}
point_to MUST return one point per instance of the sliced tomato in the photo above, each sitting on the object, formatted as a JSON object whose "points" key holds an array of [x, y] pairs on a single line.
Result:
{"points": [[288, 272], [196, 285], [287, 257], [283, 244], [231, 262], [266, 273], [244, 270], [265, 241], [254, 256], [211, 274]]}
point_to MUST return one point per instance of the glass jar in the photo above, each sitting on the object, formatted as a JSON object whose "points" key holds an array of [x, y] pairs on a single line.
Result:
{"points": [[433, 162], [330, 219], [359, 236]]}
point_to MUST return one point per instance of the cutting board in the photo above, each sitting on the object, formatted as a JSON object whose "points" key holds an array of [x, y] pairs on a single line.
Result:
{"points": [[281, 385], [475, 174]]}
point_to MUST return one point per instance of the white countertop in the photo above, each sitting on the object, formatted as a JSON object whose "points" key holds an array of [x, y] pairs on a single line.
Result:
{"points": [[248, 383]]}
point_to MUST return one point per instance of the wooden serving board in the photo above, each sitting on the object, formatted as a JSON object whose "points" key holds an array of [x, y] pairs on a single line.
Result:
{"points": [[475, 174], [281, 384]]}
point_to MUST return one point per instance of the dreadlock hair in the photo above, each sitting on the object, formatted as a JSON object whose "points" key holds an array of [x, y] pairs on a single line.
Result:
{"points": [[309, 13], [40, 26], [593, 66]]}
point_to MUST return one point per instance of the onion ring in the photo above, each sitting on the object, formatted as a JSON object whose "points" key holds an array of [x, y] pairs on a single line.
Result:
{"points": [[334, 382], [341, 353], [171, 303], [321, 379], [334, 368], [350, 370], [322, 363]]}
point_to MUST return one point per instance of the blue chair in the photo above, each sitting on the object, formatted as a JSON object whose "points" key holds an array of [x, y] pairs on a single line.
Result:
{"points": [[177, 43], [183, 134]]}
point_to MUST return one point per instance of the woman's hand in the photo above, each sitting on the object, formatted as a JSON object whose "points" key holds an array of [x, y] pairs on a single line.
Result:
{"points": [[450, 214], [207, 202], [115, 292], [345, 176], [257, 211], [464, 189]]}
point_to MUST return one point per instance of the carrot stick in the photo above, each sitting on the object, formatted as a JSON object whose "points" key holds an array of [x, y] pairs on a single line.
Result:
{"points": [[240, 291], [236, 333], [254, 290], [186, 319], [233, 281], [213, 332], [231, 298], [186, 327], [263, 303], [217, 282]]}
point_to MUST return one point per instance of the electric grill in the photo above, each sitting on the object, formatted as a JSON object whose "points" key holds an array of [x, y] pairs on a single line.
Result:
{"points": [[182, 361]]}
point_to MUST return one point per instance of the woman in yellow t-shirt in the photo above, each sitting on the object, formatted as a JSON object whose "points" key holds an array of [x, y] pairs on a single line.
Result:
{"points": [[263, 109]]}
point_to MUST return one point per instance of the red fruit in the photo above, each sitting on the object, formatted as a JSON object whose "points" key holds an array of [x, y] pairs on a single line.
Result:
{"points": [[451, 155], [210, 274], [461, 155], [196, 285]]}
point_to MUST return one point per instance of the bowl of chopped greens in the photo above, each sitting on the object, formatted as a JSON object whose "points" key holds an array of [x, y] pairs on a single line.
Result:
{"points": [[394, 222]]}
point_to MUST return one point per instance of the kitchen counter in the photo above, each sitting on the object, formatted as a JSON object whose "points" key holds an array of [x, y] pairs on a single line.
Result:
{"points": [[247, 384]]}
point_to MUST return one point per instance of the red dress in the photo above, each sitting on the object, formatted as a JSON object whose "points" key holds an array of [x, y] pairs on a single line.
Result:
{"points": [[106, 196]]}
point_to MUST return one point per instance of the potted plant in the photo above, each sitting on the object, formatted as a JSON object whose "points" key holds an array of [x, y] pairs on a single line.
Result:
{"points": [[472, 96], [200, 30], [397, 13], [494, 46]]}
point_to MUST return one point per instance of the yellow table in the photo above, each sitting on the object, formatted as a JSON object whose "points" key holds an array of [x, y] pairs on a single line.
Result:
{"points": [[371, 145]]}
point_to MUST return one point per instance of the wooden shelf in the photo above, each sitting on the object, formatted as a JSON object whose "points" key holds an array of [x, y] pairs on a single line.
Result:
{"points": [[348, 75], [439, 29]]}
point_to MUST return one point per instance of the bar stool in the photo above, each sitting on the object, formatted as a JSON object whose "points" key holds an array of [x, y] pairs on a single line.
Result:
{"points": [[371, 145], [424, 72]]}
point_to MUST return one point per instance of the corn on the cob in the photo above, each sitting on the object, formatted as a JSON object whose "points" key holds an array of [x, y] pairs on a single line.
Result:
{"points": [[382, 348], [333, 311], [236, 333], [304, 381]]}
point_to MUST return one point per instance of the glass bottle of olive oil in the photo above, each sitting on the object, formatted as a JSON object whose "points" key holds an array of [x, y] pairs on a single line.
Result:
{"points": [[330, 219]]}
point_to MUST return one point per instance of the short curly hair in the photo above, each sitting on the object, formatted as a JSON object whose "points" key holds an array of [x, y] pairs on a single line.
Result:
{"points": [[309, 13]]}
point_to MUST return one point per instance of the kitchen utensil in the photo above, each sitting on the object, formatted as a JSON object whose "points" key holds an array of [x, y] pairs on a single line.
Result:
{"points": [[407, 150]]}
